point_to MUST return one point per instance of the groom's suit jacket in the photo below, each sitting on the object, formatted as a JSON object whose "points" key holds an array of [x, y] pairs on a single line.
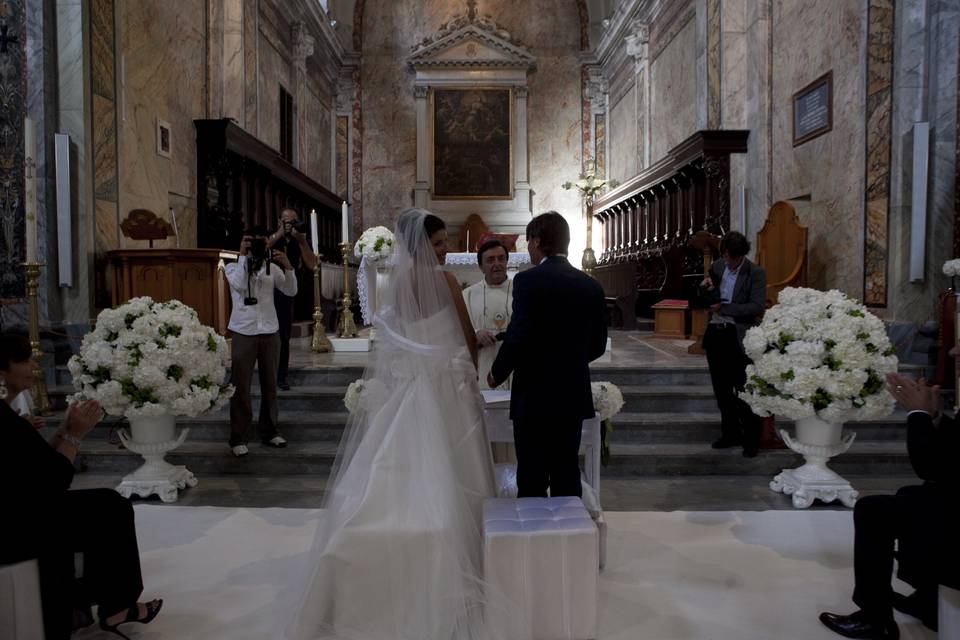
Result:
{"points": [[557, 328]]}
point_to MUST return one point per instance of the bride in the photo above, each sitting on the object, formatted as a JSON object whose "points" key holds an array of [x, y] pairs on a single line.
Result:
{"points": [[398, 548]]}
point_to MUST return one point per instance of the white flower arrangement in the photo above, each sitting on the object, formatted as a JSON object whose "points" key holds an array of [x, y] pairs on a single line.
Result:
{"points": [[376, 243], [607, 401], [952, 268], [147, 358], [364, 394], [521, 245], [819, 353]]}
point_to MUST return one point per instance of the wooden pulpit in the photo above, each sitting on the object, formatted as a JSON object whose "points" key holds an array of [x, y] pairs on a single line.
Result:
{"points": [[193, 276]]}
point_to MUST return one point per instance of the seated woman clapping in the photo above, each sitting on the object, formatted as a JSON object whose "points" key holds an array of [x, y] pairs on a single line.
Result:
{"points": [[46, 521]]}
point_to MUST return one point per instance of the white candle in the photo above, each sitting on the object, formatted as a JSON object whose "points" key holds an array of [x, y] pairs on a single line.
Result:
{"points": [[468, 241], [345, 210], [30, 187], [313, 231]]}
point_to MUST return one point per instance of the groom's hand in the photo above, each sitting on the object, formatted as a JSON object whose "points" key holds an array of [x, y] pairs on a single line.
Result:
{"points": [[491, 381], [486, 338]]}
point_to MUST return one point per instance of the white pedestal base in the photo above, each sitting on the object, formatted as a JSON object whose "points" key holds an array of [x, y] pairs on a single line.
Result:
{"points": [[817, 441], [350, 345], [809, 483], [154, 482]]}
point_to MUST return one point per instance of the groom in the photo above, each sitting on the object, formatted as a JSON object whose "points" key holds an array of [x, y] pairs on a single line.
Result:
{"points": [[557, 328]]}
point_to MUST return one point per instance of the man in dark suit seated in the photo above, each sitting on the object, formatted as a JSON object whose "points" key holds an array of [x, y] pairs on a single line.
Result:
{"points": [[918, 521], [734, 291], [557, 328]]}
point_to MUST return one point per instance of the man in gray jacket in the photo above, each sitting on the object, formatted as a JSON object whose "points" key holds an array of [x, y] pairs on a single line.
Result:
{"points": [[735, 290]]}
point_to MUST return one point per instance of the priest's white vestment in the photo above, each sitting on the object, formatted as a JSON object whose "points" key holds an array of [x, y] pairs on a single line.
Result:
{"points": [[490, 308]]}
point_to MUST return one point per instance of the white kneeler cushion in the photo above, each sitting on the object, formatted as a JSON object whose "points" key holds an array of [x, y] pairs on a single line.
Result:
{"points": [[541, 565]]}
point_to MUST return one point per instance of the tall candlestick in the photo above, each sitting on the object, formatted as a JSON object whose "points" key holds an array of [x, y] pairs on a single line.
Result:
{"points": [[346, 328], [320, 342], [30, 186], [345, 211], [313, 231]]}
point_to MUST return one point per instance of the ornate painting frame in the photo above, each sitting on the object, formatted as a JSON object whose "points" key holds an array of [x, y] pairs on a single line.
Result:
{"points": [[471, 142]]}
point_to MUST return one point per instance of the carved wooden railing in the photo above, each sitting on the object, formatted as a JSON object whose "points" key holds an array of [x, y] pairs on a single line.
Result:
{"points": [[241, 181], [646, 223]]}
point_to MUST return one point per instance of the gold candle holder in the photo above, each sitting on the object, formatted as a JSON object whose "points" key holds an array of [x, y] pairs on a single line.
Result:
{"points": [[346, 328], [320, 342], [41, 401]]}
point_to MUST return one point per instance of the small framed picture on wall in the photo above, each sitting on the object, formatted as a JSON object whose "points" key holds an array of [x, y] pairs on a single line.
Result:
{"points": [[163, 138], [813, 109]]}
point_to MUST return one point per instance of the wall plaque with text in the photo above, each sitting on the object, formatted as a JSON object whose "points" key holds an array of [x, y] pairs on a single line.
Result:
{"points": [[813, 109]]}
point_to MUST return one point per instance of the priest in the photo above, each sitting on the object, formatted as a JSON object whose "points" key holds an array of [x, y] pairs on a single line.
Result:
{"points": [[490, 303]]}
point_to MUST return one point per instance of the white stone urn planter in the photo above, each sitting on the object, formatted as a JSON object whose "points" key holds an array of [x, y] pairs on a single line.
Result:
{"points": [[153, 437], [817, 441]]}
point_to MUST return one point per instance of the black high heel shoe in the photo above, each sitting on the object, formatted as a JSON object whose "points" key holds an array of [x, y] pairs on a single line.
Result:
{"points": [[133, 613]]}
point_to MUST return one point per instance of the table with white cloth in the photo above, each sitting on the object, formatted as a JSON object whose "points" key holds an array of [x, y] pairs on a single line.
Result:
{"points": [[500, 429], [371, 276]]}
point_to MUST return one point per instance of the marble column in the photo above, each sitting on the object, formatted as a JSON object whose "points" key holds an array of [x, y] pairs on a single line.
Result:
{"points": [[421, 188], [233, 105], [521, 178], [302, 49]]}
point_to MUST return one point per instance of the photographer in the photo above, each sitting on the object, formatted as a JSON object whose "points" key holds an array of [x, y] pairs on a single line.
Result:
{"points": [[290, 239], [256, 340]]}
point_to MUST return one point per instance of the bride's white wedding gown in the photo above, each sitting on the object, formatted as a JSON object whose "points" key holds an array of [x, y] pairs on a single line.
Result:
{"points": [[399, 548]]}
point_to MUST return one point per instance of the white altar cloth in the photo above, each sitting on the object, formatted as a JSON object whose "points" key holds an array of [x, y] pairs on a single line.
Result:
{"points": [[500, 429]]}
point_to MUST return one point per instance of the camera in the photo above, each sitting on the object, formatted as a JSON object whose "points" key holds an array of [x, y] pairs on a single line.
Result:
{"points": [[291, 226], [258, 250], [249, 301]]}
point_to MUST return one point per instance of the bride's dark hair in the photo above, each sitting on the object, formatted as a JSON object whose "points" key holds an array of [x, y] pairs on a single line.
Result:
{"points": [[407, 217]]}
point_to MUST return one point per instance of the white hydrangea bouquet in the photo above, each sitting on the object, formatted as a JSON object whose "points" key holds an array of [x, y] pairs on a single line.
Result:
{"points": [[819, 353], [952, 268], [376, 243], [607, 401], [147, 358]]}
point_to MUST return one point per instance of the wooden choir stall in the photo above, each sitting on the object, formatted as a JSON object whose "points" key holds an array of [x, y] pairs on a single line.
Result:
{"points": [[646, 226]]}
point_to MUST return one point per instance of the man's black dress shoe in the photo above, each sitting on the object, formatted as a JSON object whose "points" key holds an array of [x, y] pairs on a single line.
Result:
{"points": [[726, 443], [921, 608], [858, 625], [750, 452], [283, 385]]}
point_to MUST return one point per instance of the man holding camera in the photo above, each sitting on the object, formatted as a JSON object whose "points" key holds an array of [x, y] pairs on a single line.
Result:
{"points": [[291, 240], [490, 303], [256, 340]]}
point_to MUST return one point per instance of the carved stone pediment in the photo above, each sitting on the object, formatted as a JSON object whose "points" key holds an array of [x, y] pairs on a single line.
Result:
{"points": [[474, 42]]}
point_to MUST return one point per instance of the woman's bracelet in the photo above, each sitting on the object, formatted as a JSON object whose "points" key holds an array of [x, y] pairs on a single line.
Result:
{"points": [[70, 439]]}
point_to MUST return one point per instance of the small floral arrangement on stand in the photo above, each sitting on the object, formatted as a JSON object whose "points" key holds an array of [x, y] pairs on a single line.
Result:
{"points": [[147, 358], [819, 353], [376, 243], [952, 268], [607, 401]]}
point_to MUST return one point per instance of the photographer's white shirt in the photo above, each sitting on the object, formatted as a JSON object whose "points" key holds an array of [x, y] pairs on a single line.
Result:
{"points": [[260, 318]]}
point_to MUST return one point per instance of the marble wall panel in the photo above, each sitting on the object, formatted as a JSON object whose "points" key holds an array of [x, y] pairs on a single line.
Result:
{"points": [[733, 70], [714, 68], [13, 88], [318, 140], [880, 31], [343, 157], [234, 79], [274, 72], [163, 82], [104, 148], [251, 76], [600, 141], [829, 169], [550, 29], [673, 93], [624, 160]]}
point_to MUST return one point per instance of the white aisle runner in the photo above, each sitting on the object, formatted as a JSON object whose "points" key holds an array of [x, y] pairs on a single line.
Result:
{"points": [[718, 575]]}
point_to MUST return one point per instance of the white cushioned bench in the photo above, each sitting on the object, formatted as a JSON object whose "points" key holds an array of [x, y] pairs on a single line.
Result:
{"points": [[949, 618], [541, 557], [21, 615]]}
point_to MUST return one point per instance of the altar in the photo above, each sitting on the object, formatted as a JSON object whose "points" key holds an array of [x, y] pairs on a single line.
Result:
{"points": [[372, 276]]}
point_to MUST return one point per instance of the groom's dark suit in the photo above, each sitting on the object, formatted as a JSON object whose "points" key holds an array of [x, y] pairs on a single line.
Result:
{"points": [[557, 328]]}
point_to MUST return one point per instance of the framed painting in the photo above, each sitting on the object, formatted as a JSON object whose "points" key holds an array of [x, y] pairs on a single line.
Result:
{"points": [[472, 151]]}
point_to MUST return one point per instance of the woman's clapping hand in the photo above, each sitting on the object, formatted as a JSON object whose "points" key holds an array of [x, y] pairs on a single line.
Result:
{"points": [[82, 417]]}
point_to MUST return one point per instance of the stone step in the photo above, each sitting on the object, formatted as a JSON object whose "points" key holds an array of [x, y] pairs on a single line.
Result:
{"points": [[873, 458], [680, 428]]}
